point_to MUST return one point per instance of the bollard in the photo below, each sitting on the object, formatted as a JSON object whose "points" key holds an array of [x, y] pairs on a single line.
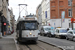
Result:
{"points": [[4, 33]]}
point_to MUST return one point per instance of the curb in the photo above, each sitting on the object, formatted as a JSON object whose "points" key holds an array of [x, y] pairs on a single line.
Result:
{"points": [[52, 44], [16, 44]]}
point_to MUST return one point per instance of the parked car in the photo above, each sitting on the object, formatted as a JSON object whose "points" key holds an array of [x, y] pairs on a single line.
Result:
{"points": [[44, 30], [51, 33], [38, 32], [61, 32], [71, 35]]}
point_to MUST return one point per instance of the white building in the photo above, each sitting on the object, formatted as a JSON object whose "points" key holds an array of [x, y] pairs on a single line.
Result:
{"points": [[9, 19], [43, 5], [39, 15], [57, 23], [47, 21]]}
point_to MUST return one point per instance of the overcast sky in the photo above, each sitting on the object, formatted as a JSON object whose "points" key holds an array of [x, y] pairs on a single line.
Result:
{"points": [[31, 8]]}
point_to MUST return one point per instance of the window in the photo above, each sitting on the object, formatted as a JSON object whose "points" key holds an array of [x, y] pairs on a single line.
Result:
{"points": [[57, 31], [70, 32], [74, 32], [17, 27], [52, 3], [29, 26], [61, 3], [53, 13], [69, 2], [47, 29], [63, 31], [69, 13]]}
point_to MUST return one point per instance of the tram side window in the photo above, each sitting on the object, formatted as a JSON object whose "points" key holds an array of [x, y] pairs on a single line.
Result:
{"points": [[22, 26], [17, 27]]}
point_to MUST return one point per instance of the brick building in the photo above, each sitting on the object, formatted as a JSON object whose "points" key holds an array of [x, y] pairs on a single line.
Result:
{"points": [[56, 8]]}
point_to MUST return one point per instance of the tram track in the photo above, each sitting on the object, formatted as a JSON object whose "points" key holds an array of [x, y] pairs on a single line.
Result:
{"points": [[39, 46], [35, 47], [29, 47]]}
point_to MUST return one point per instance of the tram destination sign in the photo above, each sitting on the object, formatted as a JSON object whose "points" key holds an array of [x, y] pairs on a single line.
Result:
{"points": [[30, 18]]}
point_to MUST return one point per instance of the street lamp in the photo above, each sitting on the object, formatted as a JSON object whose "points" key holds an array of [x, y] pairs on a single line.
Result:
{"points": [[71, 14]]}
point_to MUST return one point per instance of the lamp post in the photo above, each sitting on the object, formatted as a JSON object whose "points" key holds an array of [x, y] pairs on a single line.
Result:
{"points": [[71, 14]]}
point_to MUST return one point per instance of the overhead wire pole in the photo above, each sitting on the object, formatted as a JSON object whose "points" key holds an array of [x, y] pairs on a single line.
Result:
{"points": [[19, 11], [59, 15], [71, 15]]}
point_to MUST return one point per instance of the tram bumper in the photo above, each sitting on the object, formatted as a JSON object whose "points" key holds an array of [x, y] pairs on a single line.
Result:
{"points": [[24, 39]]}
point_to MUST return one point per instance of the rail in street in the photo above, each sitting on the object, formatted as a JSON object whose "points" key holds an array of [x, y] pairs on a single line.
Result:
{"points": [[39, 46]]}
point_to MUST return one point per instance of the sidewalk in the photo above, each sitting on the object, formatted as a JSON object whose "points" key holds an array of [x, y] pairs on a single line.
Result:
{"points": [[7, 43]]}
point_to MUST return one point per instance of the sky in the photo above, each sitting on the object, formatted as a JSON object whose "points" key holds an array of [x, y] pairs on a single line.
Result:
{"points": [[31, 8]]}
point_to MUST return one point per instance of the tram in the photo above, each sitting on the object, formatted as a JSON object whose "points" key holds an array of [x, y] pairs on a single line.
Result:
{"points": [[27, 29]]}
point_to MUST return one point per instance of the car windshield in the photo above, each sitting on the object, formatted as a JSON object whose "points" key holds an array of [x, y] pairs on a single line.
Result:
{"points": [[74, 31], [51, 31], [63, 31], [47, 29]]}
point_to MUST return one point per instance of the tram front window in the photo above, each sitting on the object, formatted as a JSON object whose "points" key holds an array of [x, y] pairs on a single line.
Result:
{"points": [[29, 26]]}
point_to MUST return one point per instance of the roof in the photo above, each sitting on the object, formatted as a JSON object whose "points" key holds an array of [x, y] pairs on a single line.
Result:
{"points": [[24, 19]]}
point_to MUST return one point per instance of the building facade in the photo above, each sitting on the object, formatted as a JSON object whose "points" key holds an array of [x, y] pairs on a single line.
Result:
{"points": [[47, 13], [56, 9], [39, 14], [43, 12], [0, 14], [43, 5], [7, 18], [4, 22], [57, 13]]}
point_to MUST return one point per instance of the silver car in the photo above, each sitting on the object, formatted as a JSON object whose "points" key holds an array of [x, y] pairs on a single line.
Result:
{"points": [[71, 35], [44, 30]]}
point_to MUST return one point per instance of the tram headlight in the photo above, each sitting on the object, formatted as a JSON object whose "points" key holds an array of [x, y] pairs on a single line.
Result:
{"points": [[30, 33]]}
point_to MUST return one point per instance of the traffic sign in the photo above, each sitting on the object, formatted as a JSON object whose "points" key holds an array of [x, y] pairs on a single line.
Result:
{"points": [[9, 26], [46, 14], [72, 20]]}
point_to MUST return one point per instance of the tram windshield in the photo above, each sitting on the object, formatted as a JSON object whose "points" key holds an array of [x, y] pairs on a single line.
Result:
{"points": [[29, 26]]}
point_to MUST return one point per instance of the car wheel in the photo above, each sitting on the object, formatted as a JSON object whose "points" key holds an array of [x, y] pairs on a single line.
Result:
{"points": [[47, 35], [50, 36], [55, 36], [40, 34], [43, 34], [59, 37], [73, 39], [67, 38]]}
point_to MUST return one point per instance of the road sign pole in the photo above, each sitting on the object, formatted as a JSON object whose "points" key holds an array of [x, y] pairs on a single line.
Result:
{"points": [[71, 15]]}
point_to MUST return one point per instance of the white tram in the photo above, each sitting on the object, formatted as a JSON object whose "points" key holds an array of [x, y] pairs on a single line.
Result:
{"points": [[27, 29]]}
